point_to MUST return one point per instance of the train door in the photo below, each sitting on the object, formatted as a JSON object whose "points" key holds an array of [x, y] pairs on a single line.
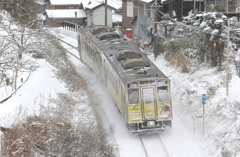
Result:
{"points": [[148, 102]]}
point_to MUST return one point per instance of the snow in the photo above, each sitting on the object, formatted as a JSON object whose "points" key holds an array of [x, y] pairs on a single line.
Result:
{"points": [[184, 139], [116, 4], [116, 17], [215, 32], [147, 1], [66, 13], [41, 84], [68, 2]]}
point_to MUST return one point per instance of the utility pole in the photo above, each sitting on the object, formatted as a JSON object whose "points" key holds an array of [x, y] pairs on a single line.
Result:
{"points": [[155, 6], [205, 6], [194, 7], [227, 77], [105, 12]]}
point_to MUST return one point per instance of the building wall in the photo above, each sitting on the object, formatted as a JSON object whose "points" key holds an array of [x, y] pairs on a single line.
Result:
{"points": [[127, 19], [97, 16], [225, 6], [62, 6], [59, 22]]}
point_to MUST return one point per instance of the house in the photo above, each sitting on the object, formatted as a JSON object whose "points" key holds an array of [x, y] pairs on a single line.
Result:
{"points": [[129, 14], [54, 12], [231, 7], [116, 19], [55, 18], [64, 4], [42, 5], [96, 13], [228, 7], [139, 15], [183, 8]]}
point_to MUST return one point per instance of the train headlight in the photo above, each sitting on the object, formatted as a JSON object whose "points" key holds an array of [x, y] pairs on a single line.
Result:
{"points": [[165, 111]]}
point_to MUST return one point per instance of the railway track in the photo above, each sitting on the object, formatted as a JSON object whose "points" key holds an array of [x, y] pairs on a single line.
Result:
{"points": [[153, 145]]}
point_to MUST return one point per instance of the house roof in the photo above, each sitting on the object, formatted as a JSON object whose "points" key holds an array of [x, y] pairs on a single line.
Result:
{"points": [[146, 1], [116, 4], [116, 17], [69, 2], [65, 13], [166, 1]]}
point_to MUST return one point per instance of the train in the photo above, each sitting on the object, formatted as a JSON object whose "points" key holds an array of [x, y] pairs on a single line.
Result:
{"points": [[140, 90]]}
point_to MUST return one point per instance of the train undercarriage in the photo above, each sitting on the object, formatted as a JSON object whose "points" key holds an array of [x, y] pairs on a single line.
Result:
{"points": [[149, 126]]}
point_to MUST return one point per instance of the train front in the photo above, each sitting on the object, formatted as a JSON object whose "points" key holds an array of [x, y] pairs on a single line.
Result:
{"points": [[149, 105]]}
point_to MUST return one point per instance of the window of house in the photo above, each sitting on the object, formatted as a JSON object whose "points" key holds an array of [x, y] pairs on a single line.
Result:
{"points": [[130, 8]]}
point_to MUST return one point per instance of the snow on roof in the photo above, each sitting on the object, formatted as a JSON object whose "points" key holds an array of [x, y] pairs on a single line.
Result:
{"points": [[147, 1], [116, 17], [65, 13], [116, 4], [93, 5], [68, 2], [40, 2]]}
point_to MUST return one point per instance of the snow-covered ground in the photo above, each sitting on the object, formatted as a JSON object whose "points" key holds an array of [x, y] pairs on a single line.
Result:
{"points": [[184, 140], [41, 84]]}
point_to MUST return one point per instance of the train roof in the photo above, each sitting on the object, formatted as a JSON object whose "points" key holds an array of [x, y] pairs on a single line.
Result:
{"points": [[129, 62]]}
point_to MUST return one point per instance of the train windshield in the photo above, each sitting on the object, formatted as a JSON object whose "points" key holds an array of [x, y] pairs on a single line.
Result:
{"points": [[148, 95], [133, 96], [163, 95]]}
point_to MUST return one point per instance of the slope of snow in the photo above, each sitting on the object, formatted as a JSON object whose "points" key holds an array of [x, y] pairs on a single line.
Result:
{"points": [[41, 84], [223, 110]]}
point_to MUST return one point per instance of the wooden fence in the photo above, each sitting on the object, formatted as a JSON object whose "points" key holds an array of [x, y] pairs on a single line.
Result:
{"points": [[71, 26]]}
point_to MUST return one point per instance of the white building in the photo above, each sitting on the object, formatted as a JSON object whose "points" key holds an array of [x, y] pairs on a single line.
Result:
{"points": [[96, 12]]}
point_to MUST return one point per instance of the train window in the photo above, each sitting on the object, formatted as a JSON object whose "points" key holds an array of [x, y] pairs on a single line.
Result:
{"points": [[148, 95], [133, 96], [163, 95]]}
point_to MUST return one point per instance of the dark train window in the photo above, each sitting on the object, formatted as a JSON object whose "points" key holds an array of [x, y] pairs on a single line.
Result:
{"points": [[133, 96], [163, 95]]}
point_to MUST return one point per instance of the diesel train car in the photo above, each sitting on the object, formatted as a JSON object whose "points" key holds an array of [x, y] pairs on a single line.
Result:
{"points": [[140, 90]]}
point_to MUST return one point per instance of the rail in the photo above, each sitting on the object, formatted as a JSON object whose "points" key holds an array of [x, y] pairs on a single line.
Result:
{"points": [[153, 145]]}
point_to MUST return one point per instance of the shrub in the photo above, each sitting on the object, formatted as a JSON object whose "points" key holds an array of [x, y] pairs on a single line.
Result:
{"points": [[54, 133]]}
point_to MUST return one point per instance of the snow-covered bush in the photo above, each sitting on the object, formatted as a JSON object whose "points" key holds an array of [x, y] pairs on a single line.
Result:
{"points": [[202, 37], [57, 131]]}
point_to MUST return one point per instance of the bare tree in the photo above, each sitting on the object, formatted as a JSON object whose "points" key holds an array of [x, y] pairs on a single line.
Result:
{"points": [[19, 32]]}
